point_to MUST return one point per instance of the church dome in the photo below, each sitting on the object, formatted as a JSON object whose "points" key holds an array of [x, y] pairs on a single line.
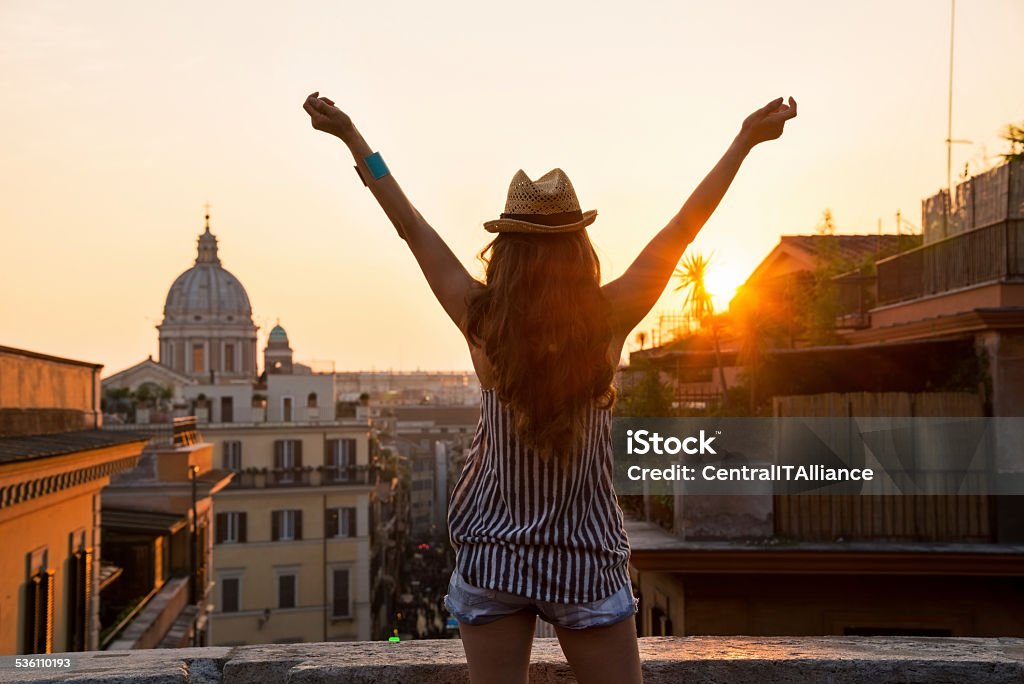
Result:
{"points": [[277, 334], [207, 291]]}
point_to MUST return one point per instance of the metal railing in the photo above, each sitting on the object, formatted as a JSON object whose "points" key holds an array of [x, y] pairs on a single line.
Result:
{"points": [[299, 477], [978, 256]]}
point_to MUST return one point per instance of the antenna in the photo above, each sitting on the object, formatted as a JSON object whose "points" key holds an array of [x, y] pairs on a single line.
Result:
{"points": [[949, 114], [949, 118]]}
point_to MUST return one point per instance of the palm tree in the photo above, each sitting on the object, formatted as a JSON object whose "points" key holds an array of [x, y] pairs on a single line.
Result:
{"points": [[690, 273]]}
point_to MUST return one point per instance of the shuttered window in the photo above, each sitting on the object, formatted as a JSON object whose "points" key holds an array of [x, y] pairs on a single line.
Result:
{"points": [[230, 594], [341, 457], [341, 522], [340, 603], [233, 455], [80, 600], [286, 525], [286, 591], [39, 613], [287, 459], [231, 527]]}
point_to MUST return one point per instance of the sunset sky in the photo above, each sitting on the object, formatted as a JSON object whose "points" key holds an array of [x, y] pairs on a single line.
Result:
{"points": [[121, 119]]}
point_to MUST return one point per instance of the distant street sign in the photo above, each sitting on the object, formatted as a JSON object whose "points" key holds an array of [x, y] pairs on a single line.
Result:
{"points": [[452, 623]]}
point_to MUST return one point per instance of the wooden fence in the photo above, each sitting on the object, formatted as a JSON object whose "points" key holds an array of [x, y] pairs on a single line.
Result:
{"points": [[884, 516]]}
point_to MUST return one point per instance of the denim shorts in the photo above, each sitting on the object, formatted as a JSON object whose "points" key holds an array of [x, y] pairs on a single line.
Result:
{"points": [[475, 606]]}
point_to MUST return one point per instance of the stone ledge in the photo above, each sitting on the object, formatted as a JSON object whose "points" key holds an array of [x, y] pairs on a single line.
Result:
{"points": [[701, 660]]}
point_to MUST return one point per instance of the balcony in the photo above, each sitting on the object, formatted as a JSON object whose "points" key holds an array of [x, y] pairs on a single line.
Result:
{"points": [[853, 660], [319, 476], [984, 255]]}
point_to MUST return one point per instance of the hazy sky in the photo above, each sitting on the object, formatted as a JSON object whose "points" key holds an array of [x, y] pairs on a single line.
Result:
{"points": [[120, 119]]}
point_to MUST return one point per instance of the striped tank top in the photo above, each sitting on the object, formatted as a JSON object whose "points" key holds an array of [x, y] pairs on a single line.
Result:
{"points": [[526, 527]]}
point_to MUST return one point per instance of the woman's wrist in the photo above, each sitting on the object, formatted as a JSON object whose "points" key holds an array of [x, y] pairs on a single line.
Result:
{"points": [[357, 146], [350, 137], [742, 142]]}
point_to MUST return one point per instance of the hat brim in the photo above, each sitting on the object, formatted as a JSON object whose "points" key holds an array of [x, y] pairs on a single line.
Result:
{"points": [[517, 226]]}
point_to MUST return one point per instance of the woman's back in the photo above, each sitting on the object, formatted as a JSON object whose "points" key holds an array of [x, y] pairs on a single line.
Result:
{"points": [[524, 525]]}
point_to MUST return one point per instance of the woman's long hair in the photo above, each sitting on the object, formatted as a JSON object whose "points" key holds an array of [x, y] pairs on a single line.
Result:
{"points": [[545, 326]]}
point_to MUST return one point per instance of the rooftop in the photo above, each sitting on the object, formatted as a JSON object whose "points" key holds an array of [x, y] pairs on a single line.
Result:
{"points": [[654, 548], [23, 448], [852, 247]]}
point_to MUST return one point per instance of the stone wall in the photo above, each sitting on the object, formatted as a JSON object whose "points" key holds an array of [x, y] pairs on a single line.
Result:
{"points": [[695, 660], [45, 394]]}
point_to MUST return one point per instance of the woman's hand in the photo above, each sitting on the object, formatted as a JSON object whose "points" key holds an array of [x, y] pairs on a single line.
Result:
{"points": [[767, 122], [326, 117]]}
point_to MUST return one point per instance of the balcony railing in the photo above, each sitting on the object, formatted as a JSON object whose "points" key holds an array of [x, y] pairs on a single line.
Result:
{"points": [[979, 256], [322, 476]]}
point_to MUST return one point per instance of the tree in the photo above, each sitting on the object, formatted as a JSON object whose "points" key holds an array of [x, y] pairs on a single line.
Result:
{"points": [[119, 401], [165, 394], [821, 305], [646, 397], [144, 395], [755, 327], [690, 273], [1014, 135]]}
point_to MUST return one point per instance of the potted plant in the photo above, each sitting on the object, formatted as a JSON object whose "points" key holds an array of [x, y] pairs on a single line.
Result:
{"points": [[202, 409], [259, 408]]}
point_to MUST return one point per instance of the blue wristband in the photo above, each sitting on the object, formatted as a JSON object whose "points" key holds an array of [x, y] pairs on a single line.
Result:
{"points": [[375, 163]]}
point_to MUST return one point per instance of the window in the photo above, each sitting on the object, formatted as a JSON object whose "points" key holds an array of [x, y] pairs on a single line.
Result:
{"points": [[229, 357], [341, 457], [286, 585], [340, 602], [311, 400], [231, 527], [39, 604], [233, 455], [79, 605], [286, 525], [287, 458], [230, 594], [227, 410], [39, 593], [286, 409], [198, 358], [341, 522]]}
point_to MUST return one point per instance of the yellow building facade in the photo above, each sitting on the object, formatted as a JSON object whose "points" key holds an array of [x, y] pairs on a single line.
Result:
{"points": [[292, 545], [54, 462]]}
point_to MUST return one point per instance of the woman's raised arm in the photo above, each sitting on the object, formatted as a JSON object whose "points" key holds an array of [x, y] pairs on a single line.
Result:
{"points": [[634, 293], [445, 274]]}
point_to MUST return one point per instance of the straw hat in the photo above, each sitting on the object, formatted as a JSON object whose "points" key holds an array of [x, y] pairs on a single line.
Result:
{"points": [[546, 205]]}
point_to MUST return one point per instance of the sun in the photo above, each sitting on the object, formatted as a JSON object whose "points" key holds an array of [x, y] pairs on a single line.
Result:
{"points": [[722, 280]]}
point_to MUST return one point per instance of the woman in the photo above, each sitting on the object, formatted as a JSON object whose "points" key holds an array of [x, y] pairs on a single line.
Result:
{"points": [[533, 518]]}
